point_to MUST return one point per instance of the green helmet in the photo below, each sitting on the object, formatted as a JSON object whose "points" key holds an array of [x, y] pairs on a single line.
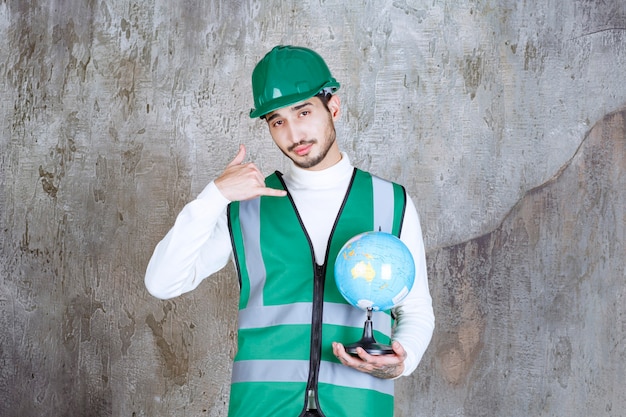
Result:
{"points": [[287, 75]]}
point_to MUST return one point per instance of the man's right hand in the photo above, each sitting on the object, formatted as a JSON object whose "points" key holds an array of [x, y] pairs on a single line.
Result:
{"points": [[243, 181]]}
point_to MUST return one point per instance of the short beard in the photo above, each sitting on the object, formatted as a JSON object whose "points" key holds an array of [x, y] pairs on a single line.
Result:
{"points": [[310, 163]]}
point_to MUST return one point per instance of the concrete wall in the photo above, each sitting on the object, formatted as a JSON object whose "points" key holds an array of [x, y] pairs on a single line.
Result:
{"points": [[115, 113]]}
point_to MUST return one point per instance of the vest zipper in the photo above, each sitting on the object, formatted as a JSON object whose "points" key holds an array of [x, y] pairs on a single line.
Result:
{"points": [[311, 400], [316, 338]]}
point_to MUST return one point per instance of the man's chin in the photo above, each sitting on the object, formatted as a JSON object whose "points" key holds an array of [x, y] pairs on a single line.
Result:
{"points": [[306, 161]]}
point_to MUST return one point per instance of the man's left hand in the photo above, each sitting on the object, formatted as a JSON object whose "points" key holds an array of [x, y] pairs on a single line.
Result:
{"points": [[380, 366]]}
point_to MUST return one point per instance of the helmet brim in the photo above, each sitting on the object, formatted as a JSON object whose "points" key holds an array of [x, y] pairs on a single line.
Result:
{"points": [[285, 101]]}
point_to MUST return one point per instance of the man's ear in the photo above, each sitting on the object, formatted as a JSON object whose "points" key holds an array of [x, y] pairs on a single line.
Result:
{"points": [[334, 106]]}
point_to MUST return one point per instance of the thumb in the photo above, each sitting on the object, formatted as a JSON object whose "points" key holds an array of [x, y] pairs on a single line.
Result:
{"points": [[398, 349], [241, 154]]}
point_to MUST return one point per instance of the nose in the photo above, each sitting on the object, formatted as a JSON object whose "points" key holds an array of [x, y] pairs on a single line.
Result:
{"points": [[296, 133]]}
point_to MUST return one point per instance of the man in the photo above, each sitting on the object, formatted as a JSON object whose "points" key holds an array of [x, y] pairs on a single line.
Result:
{"points": [[284, 232]]}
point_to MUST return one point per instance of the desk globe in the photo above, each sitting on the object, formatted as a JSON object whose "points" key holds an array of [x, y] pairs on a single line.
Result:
{"points": [[374, 271]]}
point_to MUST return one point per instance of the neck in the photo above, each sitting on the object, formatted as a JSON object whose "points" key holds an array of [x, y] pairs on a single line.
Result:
{"points": [[320, 179]]}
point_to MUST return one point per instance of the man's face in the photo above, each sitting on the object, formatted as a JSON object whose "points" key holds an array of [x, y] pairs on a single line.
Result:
{"points": [[305, 132]]}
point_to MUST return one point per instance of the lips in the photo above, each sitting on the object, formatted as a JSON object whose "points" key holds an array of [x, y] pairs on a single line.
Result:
{"points": [[303, 149]]}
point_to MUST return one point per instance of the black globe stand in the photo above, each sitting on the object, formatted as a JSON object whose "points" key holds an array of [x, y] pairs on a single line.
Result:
{"points": [[367, 342]]}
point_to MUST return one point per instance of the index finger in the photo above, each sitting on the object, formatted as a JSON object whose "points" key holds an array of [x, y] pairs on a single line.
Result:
{"points": [[272, 192], [241, 154], [398, 356]]}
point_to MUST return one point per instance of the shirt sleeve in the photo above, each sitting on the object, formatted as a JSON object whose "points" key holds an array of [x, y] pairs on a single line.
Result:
{"points": [[197, 246], [415, 319]]}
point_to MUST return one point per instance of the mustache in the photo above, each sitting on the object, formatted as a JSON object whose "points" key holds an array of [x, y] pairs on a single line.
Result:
{"points": [[302, 142]]}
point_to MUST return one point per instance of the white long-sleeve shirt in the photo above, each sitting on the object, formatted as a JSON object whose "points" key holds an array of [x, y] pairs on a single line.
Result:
{"points": [[199, 245]]}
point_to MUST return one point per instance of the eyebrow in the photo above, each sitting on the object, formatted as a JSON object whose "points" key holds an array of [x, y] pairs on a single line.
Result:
{"points": [[294, 108]]}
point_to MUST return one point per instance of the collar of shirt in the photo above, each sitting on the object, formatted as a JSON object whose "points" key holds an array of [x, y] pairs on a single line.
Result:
{"points": [[302, 179]]}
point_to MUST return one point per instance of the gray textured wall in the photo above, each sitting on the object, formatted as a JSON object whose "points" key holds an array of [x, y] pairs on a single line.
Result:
{"points": [[115, 113]]}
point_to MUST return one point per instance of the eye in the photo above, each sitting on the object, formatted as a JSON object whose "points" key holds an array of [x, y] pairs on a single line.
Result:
{"points": [[277, 123], [304, 113]]}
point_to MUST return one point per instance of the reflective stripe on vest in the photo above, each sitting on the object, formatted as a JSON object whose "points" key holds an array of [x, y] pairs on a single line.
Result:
{"points": [[383, 205], [254, 259], [300, 313], [297, 371]]}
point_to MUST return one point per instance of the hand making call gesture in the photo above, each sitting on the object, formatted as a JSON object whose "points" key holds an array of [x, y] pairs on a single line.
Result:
{"points": [[243, 181]]}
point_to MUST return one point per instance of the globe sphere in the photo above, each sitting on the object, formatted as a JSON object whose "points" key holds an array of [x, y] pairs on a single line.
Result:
{"points": [[374, 270]]}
